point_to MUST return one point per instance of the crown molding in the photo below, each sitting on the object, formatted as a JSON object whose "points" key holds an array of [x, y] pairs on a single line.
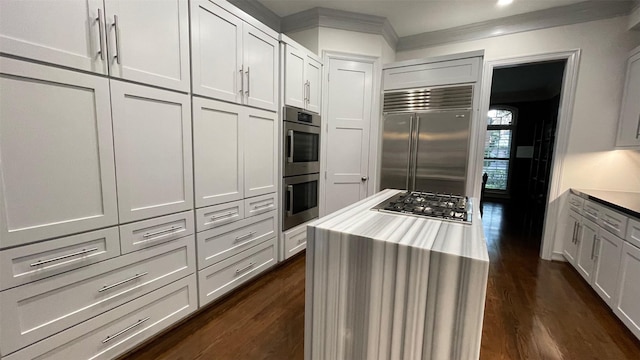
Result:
{"points": [[343, 20], [536, 20], [260, 12]]}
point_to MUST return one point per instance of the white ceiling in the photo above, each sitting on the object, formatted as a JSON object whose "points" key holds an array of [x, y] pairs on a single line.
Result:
{"points": [[409, 17]]}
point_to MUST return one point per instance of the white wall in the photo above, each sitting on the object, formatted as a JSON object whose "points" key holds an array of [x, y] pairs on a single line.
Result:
{"points": [[591, 162], [307, 38], [355, 43]]}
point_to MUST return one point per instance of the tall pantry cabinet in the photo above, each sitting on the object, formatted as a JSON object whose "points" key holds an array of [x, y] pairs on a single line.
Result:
{"points": [[101, 238]]}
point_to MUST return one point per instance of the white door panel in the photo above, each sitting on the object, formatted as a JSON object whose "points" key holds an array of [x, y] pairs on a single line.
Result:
{"points": [[605, 276], [150, 43], [261, 69], [65, 33], [294, 88], [260, 132], [626, 301], [152, 137], [349, 121]]}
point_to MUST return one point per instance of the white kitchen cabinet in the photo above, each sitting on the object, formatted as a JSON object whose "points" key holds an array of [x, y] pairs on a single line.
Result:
{"points": [[572, 225], [149, 42], [627, 306], [57, 174], [585, 262], [629, 121], [430, 74], [152, 137], [68, 33], [260, 131], [218, 151], [302, 78], [605, 276], [232, 60]]}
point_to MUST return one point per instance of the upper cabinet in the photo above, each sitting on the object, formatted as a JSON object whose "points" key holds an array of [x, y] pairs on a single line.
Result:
{"points": [[68, 33], [142, 41], [149, 42], [629, 123], [302, 79], [232, 60]]}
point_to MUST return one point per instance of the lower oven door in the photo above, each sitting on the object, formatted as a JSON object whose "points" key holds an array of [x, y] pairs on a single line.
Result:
{"points": [[300, 199]]}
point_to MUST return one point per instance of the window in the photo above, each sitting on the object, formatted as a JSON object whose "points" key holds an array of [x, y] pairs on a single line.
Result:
{"points": [[497, 148]]}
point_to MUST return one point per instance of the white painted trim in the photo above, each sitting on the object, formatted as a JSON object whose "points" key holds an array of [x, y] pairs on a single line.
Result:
{"points": [[565, 115], [374, 132], [457, 56], [558, 256]]}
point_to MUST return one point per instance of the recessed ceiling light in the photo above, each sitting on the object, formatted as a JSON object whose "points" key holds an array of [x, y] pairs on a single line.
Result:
{"points": [[504, 2]]}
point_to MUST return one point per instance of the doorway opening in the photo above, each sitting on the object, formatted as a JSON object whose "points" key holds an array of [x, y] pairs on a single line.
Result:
{"points": [[520, 138]]}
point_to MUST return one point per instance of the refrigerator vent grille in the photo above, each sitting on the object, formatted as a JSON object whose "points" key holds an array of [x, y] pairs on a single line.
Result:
{"points": [[442, 98]]}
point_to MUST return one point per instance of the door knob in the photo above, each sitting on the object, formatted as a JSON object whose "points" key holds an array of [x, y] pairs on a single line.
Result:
{"points": [[364, 178]]}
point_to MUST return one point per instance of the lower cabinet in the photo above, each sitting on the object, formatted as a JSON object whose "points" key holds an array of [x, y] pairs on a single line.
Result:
{"points": [[570, 248], [626, 304], [587, 234], [116, 331], [295, 240], [605, 275]]}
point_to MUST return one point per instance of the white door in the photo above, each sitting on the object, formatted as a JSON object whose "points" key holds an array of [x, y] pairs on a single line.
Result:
{"points": [[216, 47], [587, 233], [152, 137], [294, 78], [218, 151], [65, 33], [349, 112], [314, 85], [570, 237], [260, 68], [629, 125], [57, 173], [605, 276], [627, 306], [149, 41], [260, 133]]}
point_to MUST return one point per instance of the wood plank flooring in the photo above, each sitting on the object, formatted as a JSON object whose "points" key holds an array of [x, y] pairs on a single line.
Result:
{"points": [[535, 310]]}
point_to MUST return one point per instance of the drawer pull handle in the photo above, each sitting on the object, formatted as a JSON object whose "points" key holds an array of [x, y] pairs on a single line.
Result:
{"points": [[244, 268], [162, 232], [611, 225], [245, 236], [82, 252], [221, 216], [301, 240], [136, 276], [111, 337], [263, 206], [594, 214]]}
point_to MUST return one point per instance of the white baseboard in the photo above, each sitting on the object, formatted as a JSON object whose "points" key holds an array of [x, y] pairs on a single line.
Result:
{"points": [[558, 256]]}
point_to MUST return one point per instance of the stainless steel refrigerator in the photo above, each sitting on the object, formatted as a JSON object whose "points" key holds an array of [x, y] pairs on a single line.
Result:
{"points": [[425, 143]]}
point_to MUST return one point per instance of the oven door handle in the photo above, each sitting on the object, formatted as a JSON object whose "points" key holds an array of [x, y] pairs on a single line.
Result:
{"points": [[290, 157], [290, 204]]}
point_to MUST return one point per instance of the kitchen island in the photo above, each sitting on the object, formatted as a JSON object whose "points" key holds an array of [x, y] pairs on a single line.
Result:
{"points": [[385, 286]]}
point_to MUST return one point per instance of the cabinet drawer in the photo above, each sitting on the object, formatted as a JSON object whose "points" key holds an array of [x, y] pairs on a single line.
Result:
{"points": [[217, 244], [29, 263], [591, 210], [114, 332], [295, 240], [218, 215], [633, 232], [146, 233], [228, 274], [575, 203], [613, 222], [34, 311], [260, 204]]}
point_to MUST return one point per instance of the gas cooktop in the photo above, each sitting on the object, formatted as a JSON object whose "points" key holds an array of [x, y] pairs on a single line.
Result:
{"points": [[432, 205]]}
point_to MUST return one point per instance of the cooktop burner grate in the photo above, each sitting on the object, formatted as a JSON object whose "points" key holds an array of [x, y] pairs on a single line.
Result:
{"points": [[432, 205]]}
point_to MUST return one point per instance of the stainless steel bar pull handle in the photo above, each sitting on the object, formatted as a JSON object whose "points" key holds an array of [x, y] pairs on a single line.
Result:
{"points": [[58, 258], [241, 80], [248, 81], [111, 337], [409, 151], [101, 34], [291, 147], [117, 55], [573, 236], [245, 268], [136, 276], [415, 159], [638, 128], [611, 225], [245, 236], [263, 206], [290, 207], [221, 216], [161, 232]]}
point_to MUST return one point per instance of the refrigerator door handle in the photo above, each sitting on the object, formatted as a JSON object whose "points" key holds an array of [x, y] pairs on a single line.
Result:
{"points": [[410, 165], [415, 153]]}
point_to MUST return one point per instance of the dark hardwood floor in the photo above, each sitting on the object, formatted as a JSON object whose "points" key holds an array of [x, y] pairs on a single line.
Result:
{"points": [[535, 309]]}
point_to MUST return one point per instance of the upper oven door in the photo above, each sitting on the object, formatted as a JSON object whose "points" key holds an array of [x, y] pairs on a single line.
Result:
{"points": [[301, 149]]}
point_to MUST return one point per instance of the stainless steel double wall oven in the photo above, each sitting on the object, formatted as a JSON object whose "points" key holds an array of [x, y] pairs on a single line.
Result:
{"points": [[301, 159]]}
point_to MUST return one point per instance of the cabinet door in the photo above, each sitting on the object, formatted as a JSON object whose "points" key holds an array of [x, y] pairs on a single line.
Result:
{"points": [[149, 42], [294, 77], [314, 87], [627, 306], [152, 137], [65, 33], [57, 173], [216, 42], [260, 152], [605, 277], [570, 237], [629, 123], [218, 151], [261, 68], [587, 233]]}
